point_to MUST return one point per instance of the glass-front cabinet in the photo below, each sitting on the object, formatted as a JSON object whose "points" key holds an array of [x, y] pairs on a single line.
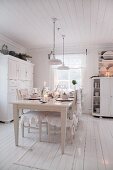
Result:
{"points": [[102, 96]]}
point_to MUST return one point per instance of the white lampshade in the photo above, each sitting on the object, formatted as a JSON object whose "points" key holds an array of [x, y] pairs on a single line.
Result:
{"points": [[55, 61], [63, 67]]}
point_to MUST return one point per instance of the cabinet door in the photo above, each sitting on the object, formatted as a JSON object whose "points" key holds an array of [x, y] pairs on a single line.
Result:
{"points": [[22, 71], [105, 96], [12, 69], [25, 71], [29, 72], [111, 96]]}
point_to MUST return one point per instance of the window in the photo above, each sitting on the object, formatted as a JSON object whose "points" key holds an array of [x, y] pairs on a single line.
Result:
{"points": [[63, 78]]}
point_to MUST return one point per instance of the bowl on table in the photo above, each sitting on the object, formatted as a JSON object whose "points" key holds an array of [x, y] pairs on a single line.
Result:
{"points": [[34, 96]]}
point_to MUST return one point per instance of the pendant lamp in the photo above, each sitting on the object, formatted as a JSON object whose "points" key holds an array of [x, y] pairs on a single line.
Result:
{"points": [[63, 66], [52, 59]]}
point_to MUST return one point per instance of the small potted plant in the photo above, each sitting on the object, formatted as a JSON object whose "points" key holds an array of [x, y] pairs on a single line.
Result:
{"points": [[74, 82]]}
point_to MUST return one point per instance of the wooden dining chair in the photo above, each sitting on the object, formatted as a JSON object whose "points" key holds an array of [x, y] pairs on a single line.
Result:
{"points": [[29, 118], [79, 104], [71, 124]]}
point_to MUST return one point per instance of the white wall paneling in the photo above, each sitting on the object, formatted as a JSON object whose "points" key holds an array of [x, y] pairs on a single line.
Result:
{"points": [[41, 69], [29, 24]]}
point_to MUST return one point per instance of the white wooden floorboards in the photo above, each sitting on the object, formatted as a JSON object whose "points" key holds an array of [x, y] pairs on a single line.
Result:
{"points": [[92, 148]]}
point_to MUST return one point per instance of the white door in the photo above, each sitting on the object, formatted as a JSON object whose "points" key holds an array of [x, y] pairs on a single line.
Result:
{"points": [[105, 96]]}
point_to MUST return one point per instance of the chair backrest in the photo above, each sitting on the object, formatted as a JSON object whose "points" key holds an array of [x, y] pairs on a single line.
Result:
{"points": [[79, 96], [22, 93], [74, 104], [36, 91], [79, 102], [18, 94], [73, 108]]}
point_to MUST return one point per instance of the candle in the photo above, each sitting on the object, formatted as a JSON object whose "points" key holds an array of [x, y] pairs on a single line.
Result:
{"points": [[107, 73], [45, 97]]}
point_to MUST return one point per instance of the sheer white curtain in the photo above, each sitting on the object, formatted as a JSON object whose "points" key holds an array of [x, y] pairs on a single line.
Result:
{"points": [[77, 65]]}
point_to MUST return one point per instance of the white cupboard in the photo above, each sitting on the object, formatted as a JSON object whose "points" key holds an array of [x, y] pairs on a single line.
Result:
{"points": [[102, 96], [14, 73]]}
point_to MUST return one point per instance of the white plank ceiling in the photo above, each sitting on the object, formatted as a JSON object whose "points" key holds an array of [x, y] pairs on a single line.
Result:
{"points": [[28, 22]]}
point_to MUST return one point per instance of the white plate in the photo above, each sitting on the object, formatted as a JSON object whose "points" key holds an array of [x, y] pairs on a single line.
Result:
{"points": [[64, 100], [108, 55]]}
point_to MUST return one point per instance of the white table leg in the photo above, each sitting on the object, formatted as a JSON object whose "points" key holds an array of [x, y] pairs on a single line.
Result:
{"points": [[63, 130], [16, 122]]}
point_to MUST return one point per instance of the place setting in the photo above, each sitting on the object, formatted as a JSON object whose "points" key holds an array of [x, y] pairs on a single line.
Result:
{"points": [[64, 97]]}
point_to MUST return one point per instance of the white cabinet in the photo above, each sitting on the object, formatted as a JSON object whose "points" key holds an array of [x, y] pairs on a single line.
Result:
{"points": [[102, 96], [14, 73]]}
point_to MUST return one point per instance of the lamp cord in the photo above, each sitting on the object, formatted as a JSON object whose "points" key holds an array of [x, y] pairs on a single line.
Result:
{"points": [[54, 21], [63, 48]]}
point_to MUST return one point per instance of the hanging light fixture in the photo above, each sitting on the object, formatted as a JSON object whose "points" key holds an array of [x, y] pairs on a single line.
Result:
{"points": [[63, 67], [53, 60]]}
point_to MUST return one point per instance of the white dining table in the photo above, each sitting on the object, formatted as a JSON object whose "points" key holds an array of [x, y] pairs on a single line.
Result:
{"points": [[53, 106]]}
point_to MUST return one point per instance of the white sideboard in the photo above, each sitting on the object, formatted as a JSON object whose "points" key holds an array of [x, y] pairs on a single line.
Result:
{"points": [[14, 73], [102, 96]]}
